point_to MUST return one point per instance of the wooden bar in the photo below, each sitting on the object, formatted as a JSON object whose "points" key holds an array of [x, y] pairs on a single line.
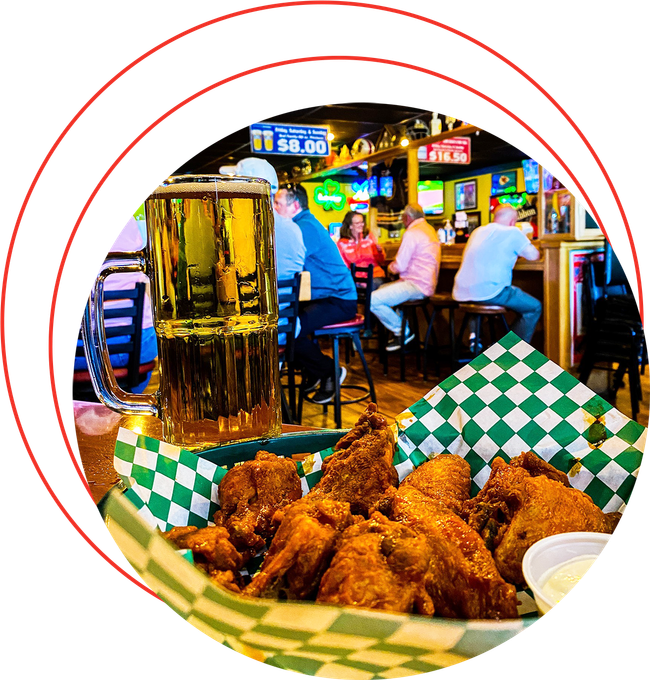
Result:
{"points": [[549, 279]]}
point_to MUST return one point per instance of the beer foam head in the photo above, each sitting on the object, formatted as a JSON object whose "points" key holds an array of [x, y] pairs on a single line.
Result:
{"points": [[192, 184]]}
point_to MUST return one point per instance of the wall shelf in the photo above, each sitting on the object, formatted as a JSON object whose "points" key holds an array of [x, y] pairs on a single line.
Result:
{"points": [[393, 152]]}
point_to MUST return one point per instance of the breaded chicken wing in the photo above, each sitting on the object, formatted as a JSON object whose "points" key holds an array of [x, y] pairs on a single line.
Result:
{"points": [[361, 469], [519, 505], [213, 553], [301, 549], [379, 564], [463, 580], [445, 478], [250, 494]]}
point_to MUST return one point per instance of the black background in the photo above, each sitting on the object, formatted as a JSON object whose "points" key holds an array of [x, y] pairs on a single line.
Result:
{"points": [[66, 597]]}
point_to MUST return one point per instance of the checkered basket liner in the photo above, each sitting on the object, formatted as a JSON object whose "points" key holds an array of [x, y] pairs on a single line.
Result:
{"points": [[327, 641], [512, 399], [508, 400]]}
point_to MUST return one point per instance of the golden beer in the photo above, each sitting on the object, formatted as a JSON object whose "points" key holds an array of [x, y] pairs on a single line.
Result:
{"points": [[214, 300]]}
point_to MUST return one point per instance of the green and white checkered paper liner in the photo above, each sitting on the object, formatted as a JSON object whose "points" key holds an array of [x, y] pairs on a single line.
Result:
{"points": [[508, 400], [512, 399]]}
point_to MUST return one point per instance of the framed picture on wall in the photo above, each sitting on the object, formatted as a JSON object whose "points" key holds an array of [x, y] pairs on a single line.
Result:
{"points": [[473, 220], [465, 193]]}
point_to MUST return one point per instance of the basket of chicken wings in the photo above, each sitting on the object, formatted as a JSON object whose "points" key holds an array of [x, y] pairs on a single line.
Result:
{"points": [[388, 550]]}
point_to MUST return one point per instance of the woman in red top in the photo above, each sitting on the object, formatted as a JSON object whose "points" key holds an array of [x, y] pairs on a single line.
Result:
{"points": [[358, 246]]}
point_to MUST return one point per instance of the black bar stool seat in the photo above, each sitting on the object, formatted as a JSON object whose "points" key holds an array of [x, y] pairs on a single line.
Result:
{"points": [[481, 311]]}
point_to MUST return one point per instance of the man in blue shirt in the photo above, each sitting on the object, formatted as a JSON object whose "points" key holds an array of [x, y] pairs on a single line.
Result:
{"points": [[333, 293]]}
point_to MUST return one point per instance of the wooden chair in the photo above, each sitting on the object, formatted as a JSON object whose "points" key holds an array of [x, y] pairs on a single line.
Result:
{"points": [[363, 281], [134, 373], [288, 299], [614, 331]]}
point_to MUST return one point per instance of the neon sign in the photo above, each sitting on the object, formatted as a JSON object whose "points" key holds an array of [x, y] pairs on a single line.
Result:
{"points": [[330, 196], [360, 201]]}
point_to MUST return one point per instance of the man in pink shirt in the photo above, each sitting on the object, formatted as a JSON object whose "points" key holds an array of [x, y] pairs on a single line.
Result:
{"points": [[417, 264]]}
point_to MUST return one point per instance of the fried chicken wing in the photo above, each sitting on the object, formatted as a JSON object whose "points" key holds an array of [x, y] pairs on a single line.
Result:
{"points": [[519, 505], [213, 553], [463, 580], [445, 478], [379, 564], [301, 549], [250, 494], [361, 469]]}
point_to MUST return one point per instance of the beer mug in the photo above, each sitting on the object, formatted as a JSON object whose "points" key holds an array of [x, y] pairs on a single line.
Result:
{"points": [[211, 261]]}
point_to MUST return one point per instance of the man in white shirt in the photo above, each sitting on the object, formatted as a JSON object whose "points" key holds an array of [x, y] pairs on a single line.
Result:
{"points": [[485, 273]]}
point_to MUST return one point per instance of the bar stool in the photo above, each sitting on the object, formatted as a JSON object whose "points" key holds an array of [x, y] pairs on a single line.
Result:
{"points": [[409, 310], [348, 329], [481, 311], [440, 302]]}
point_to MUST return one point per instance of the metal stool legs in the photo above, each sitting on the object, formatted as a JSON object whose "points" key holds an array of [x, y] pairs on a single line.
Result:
{"points": [[336, 399], [450, 306]]}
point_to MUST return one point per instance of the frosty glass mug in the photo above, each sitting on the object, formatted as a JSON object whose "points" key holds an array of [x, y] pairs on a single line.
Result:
{"points": [[211, 261]]}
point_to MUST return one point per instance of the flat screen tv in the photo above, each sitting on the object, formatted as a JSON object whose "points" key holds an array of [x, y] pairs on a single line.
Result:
{"points": [[531, 175], [431, 196], [386, 186]]}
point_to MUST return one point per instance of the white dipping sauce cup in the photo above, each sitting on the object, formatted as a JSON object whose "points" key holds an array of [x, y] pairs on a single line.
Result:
{"points": [[550, 552]]}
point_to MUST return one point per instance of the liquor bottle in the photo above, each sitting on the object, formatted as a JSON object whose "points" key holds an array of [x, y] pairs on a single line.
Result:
{"points": [[552, 222], [450, 233], [436, 124], [460, 225]]}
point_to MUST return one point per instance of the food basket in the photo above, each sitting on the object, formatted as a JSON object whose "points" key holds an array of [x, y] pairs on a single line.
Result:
{"points": [[508, 400]]}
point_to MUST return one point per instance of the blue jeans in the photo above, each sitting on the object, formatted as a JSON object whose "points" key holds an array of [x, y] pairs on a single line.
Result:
{"points": [[528, 309], [390, 295]]}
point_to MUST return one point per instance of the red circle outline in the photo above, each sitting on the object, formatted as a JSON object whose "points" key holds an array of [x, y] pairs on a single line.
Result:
{"points": [[195, 96]]}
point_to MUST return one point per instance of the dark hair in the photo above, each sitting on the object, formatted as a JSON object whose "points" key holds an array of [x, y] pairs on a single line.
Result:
{"points": [[346, 224], [296, 192]]}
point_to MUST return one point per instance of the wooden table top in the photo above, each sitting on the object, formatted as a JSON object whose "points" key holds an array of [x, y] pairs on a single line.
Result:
{"points": [[97, 427]]}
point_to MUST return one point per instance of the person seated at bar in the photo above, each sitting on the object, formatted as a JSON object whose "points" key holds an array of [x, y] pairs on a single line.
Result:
{"points": [[333, 293], [417, 264], [485, 273], [358, 246]]}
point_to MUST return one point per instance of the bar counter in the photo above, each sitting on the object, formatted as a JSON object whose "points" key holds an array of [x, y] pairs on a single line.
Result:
{"points": [[552, 279], [453, 254], [529, 276]]}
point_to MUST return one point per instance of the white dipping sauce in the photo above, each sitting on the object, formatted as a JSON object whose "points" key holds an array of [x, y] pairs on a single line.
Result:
{"points": [[557, 582]]}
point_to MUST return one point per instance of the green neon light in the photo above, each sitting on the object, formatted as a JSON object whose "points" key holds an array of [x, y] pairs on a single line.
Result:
{"points": [[329, 195]]}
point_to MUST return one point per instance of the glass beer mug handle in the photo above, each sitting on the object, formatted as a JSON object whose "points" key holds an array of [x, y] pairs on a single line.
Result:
{"points": [[96, 349]]}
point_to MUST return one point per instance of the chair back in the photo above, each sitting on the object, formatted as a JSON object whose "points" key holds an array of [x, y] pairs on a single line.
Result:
{"points": [[615, 282], [288, 299], [592, 288], [363, 281], [130, 306]]}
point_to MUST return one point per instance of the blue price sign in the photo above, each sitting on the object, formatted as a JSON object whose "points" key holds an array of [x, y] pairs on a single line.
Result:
{"points": [[291, 140]]}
